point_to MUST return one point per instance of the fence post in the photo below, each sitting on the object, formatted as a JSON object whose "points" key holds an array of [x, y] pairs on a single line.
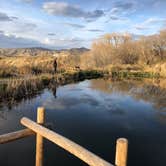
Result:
{"points": [[121, 152], [39, 138]]}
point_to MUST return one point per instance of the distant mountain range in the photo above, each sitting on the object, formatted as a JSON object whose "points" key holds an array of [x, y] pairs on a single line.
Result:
{"points": [[38, 51]]}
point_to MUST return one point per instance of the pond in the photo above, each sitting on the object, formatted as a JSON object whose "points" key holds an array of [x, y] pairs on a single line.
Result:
{"points": [[93, 113]]}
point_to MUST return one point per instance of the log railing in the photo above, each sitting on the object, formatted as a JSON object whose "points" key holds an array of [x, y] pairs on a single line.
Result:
{"points": [[70, 146]]}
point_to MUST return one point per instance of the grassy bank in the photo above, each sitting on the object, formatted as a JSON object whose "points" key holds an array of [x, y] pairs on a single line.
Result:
{"points": [[67, 77], [20, 88], [128, 74], [136, 71], [15, 89], [21, 66], [24, 77]]}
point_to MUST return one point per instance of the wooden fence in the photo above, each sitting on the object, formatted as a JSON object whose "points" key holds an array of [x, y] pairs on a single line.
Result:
{"points": [[38, 128]]}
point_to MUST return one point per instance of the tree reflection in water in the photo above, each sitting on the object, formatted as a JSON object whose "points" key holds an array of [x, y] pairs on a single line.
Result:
{"points": [[149, 90]]}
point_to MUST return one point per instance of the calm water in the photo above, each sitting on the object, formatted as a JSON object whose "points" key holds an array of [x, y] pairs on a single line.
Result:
{"points": [[93, 113]]}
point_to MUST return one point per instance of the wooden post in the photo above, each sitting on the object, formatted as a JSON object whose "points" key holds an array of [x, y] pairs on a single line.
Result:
{"points": [[39, 138], [121, 152]]}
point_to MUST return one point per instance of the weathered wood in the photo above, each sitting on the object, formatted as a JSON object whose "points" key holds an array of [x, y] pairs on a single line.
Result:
{"points": [[39, 138], [121, 152], [75, 149], [5, 138]]}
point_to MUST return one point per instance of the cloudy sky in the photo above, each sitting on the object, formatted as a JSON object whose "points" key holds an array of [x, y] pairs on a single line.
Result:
{"points": [[75, 23]]}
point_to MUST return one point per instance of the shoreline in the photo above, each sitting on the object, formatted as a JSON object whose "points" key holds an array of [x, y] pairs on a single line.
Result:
{"points": [[16, 89]]}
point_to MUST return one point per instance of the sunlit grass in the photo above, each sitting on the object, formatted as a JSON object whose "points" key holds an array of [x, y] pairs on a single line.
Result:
{"points": [[13, 89]]}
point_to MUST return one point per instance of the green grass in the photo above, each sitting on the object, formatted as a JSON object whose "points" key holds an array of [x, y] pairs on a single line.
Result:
{"points": [[139, 74]]}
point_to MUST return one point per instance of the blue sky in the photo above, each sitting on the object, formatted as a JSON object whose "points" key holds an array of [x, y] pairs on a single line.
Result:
{"points": [[75, 23]]}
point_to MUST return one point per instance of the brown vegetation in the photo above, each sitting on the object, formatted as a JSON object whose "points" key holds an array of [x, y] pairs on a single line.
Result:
{"points": [[121, 52], [28, 64], [112, 52], [16, 89], [23, 65], [124, 49]]}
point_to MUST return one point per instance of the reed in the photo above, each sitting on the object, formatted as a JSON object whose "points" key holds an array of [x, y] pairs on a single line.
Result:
{"points": [[16, 89], [22, 88]]}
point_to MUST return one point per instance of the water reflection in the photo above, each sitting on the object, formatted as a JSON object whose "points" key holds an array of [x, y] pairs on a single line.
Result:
{"points": [[54, 88], [94, 113], [3, 115], [149, 90]]}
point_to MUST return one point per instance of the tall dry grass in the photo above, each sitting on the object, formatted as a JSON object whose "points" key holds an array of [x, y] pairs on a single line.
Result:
{"points": [[22, 88], [19, 66]]}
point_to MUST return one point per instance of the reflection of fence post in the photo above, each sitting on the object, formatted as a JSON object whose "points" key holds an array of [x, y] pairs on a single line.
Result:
{"points": [[121, 152], [39, 138]]}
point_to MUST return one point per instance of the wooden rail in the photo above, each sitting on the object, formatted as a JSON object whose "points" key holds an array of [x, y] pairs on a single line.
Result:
{"points": [[5, 138], [65, 143], [70, 146]]}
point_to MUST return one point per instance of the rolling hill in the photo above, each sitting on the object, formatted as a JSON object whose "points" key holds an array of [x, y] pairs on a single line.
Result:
{"points": [[39, 51]]}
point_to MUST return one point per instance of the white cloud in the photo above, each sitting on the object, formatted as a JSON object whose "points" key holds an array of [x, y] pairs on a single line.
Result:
{"points": [[67, 10], [114, 10], [121, 11], [154, 20], [74, 25], [51, 34], [66, 42], [11, 41], [150, 23], [95, 30], [5, 17], [27, 1], [124, 5]]}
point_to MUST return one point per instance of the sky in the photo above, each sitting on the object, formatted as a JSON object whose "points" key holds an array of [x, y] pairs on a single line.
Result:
{"points": [[60, 24]]}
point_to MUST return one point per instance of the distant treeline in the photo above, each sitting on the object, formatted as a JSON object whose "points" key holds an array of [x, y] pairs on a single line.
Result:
{"points": [[119, 48]]}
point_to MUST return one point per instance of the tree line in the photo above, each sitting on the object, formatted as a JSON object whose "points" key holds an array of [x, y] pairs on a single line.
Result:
{"points": [[125, 49], [117, 48]]}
